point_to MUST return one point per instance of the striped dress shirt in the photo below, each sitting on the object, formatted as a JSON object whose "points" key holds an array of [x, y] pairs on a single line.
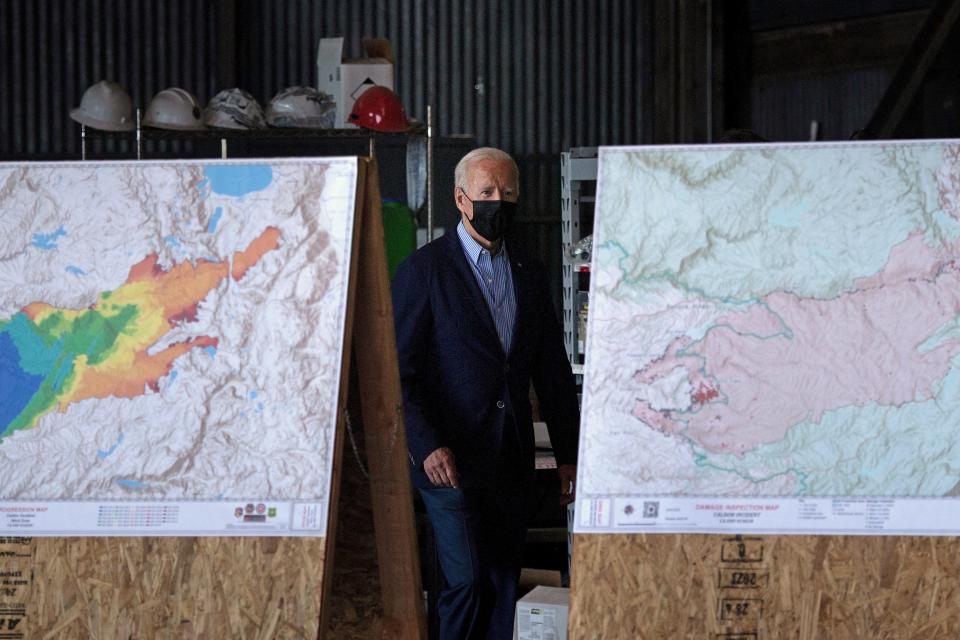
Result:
{"points": [[496, 282]]}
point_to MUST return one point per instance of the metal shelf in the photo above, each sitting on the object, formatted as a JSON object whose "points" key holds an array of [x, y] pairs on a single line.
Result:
{"points": [[577, 166], [148, 133], [419, 140]]}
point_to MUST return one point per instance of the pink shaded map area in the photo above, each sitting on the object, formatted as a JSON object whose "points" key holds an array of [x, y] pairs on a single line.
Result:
{"points": [[788, 359], [948, 181]]}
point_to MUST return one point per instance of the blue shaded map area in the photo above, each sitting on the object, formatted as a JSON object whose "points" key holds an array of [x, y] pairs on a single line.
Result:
{"points": [[214, 220], [76, 270], [132, 484], [238, 180], [35, 356], [104, 454], [64, 367], [790, 217], [16, 385], [48, 241]]}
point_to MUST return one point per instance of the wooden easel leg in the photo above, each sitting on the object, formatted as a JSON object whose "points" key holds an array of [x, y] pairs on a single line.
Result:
{"points": [[386, 448], [352, 297]]}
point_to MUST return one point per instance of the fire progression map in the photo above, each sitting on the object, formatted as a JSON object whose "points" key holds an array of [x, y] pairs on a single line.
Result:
{"points": [[170, 340]]}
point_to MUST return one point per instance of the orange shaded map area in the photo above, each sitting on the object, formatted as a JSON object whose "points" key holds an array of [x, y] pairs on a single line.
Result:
{"points": [[170, 298], [102, 383], [243, 260], [69, 355]]}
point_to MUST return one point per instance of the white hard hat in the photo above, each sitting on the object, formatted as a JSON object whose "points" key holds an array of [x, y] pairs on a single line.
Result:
{"points": [[175, 109], [105, 105], [302, 107], [233, 109]]}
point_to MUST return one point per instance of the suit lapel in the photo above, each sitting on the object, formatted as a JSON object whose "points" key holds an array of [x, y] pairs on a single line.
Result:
{"points": [[468, 282]]}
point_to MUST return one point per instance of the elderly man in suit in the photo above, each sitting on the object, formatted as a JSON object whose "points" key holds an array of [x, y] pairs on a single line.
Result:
{"points": [[475, 325]]}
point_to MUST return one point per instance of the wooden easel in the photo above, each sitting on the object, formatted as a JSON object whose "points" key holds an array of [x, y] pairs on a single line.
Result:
{"points": [[250, 588], [765, 587]]}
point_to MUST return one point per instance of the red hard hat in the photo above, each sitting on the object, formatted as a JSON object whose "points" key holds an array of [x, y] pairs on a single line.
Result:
{"points": [[379, 109]]}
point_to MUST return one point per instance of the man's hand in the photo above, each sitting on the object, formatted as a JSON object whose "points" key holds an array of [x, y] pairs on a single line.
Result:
{"points": [[568, 482], [441, 468]]}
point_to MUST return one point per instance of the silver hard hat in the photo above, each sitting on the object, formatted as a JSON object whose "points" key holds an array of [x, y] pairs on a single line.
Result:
{"points": [[233, 109], [301, 107], [175, 109], [106, 106]]}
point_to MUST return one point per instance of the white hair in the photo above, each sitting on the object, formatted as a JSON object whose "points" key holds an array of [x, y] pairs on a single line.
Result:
{"points": [[483, 153]]}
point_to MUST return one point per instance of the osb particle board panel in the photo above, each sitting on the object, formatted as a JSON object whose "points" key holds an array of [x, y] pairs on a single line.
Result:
{"points": [[113, 588], [765, 587]]}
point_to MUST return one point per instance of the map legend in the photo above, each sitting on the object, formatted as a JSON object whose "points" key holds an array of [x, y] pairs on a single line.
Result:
{"points": [[137, 516]]}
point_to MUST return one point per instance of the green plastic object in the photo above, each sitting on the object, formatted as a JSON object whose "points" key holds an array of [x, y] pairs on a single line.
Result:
{"points": [[399, 232]]}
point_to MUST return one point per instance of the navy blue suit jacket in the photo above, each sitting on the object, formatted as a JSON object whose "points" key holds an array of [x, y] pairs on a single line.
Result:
{"points": [[459, 387]]}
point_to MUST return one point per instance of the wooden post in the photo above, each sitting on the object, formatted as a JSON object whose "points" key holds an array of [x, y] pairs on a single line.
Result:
{"points": [[356, 260], [386, 446], [933, 37]]}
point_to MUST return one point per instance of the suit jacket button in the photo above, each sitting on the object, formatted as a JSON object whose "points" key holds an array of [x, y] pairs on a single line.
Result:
{"points": [[500, 404]]}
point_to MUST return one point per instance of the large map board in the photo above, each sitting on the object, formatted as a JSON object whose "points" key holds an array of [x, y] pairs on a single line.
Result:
{"points": [[171, 340], [773, 340]]}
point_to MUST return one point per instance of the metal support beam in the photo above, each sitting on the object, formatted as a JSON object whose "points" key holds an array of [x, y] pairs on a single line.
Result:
{"points": [[688, 70], [943, 21]]}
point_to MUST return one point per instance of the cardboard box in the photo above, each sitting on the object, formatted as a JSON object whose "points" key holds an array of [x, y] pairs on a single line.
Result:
{"points": [[530, 579], [542, 615], [345, 78]]}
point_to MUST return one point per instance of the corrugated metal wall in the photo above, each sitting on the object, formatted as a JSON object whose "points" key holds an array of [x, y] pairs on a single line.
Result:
{"points": [[534, 77], [841, 103], [52, 50], [531, 76]]}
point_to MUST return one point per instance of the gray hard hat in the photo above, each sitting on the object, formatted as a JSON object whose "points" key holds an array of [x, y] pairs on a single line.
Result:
{"points": [[301, 107], [175, 109], [105, 105], [233, 109]]}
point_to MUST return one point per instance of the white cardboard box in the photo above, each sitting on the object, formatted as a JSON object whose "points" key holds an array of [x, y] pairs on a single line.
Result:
{"points": [[542, 615], [345, 78]]}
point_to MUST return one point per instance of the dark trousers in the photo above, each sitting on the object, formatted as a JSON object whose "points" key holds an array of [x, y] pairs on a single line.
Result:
{"points": [[480, 533]]}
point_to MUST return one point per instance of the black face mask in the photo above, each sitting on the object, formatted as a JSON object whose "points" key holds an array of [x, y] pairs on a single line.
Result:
{"points": [[492, 219]]}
